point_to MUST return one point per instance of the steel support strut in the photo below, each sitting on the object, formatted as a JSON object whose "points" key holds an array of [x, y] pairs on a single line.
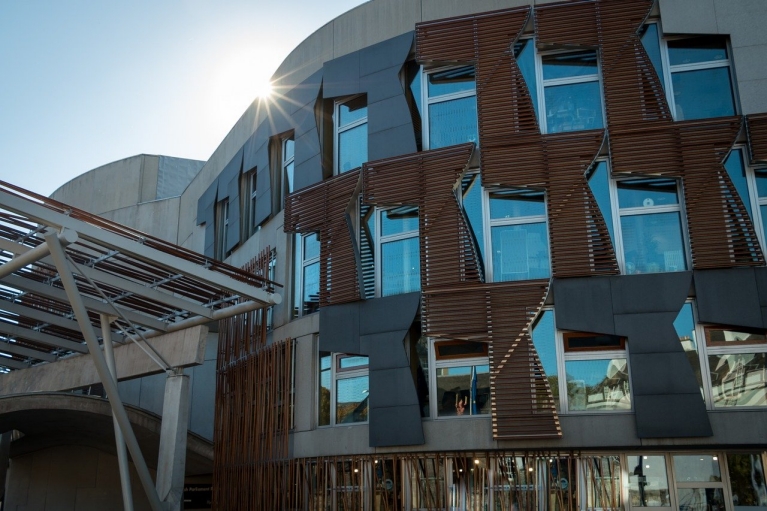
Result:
{"points": [[81, 313]]}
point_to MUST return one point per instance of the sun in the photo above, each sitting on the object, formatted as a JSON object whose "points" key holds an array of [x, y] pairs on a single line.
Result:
{"points": [[263, 88]]}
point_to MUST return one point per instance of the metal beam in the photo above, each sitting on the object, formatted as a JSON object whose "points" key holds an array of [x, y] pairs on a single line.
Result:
{"points": [[173, 264], [32, 255], [137, 288], [57, 294], [34, 335], [12, 364], [15, 349], [81, 313]]}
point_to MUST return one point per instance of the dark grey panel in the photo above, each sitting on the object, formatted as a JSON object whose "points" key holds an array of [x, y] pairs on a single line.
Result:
{"points": [[233, 233], [254, 151], [388, 113], [392, 52], [340, 328], [584, 305], [388, 314], [657, 292], [306, 92], [231, 170], [399, 425], [392, 142], [386, 350], [671, 416], [341, 76], [392, 387], [304, 120], [206, 200], [210, 230], [382, 84], [728, 297], [648, 333], [307, 146], [663, 373], [760, 275], [308, 173]]}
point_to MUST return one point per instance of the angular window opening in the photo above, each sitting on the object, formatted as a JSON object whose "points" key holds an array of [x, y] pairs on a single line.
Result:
{"points": [[524, 53], [288, 156], [248, 203], [343, 389], [351, 133], [648, 215], [751, 184], [450, 97], [306, 274], [517, 235], [221, 230], [461, 378], [397, 257], [737, 364]]}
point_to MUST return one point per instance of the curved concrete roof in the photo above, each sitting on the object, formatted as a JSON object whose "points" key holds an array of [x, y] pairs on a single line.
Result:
{"points": [[55, 418]]}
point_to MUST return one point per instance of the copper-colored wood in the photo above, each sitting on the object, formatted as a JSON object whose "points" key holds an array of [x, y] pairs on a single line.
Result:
{"points": [[757, 137]]}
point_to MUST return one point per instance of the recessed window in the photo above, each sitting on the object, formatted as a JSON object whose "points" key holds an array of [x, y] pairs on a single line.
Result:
{"points": [[351, 133], [450, 97], [517, 235], [248, 194], [306, 277], [751, 185], [700, 77], [397, 258], [343, 389], [462, 377], [288, 156], [737, 363], [221, 229], [571, 94], [649, 217]]}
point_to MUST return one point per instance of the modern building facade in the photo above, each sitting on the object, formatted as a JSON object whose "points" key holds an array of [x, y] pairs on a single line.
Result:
{"points": [[522, 248]]}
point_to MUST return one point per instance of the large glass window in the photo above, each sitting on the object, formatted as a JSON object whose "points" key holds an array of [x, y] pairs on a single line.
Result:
{"points": [[221, 229], [570, 91], [518, 236], [747, 480], [306, 276], [650, 223], [462, 378], [248, 203], [351, 140], [397, 259], [737, 364], [343, 389], [700, 77], [450, 97], [288, 156], [648, 481], [699, 482]]}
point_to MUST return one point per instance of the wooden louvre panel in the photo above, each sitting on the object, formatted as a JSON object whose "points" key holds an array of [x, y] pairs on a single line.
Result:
{"points": [[322, 208], [448, 255], [567, 24], [757, 137]]}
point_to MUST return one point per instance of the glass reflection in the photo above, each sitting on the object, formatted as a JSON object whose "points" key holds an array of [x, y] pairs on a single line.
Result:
{"points": [[653, 243], [453, 122], [761, 183], [324, 394], [737, 172], [463, 390], [472, 206], [569, 65], [451, 81], [400, 267], [290, 149], [651, 45], [311, 246], [352, 400], [648, 483], [703, 93], [701, 499], [520, 252], [684, 324], [352, 148], [738, 379], [694, 50], [697, 468], [594, 385], [352, 111], [513, 204], [639, 193], [573, 107], [599, 182], [311, 294], [524, 52], [544, 339], [747, 479], [399, 220]]}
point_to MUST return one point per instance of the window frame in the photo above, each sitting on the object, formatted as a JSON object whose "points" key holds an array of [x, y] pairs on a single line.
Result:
{"points": [[489, 223], [286, 178], [221, 230], [380, 240], [299, 265], [755, 201], [427, 101], [541, 86], [336, 375], [669, 70], [617, 214], [338, 129], [435, 364], [248, 192]]}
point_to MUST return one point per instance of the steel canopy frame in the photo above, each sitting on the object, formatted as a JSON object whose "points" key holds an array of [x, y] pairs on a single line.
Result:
{"points": [[67, 276]]}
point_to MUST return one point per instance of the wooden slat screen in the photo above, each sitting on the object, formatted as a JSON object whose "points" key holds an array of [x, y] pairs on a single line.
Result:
{"points": [[322, 208], [757, 136]]}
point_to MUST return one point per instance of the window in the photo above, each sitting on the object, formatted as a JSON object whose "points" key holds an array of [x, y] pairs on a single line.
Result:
{"points": [[288, 155], [306, 276], [398, 265], [351, 130], [751, 185], [221, 229], [462, 377], [699, 77], [649, 220], [343, 389], [695, 71], [517, 235], [248, 201], [569, 91], [450, 97], [737, 364]]}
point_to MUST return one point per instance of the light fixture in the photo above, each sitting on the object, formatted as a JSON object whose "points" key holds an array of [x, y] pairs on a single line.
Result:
{"points": [[376, 462], [476, 462], [645, 457], [530, 469], [356, 470], [647, 466], [715, 458], [460, 470]]}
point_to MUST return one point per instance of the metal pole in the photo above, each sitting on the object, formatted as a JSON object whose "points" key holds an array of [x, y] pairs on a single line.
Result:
{"points": [[40, 251], [81, 313], [122, 453]]}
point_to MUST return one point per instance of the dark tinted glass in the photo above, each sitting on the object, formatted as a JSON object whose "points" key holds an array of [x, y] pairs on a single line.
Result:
{"points": [[569, 65], [694, 50], [353, 110], [651, 45], [702, 94], [516, 204], [451, 81], [638, 193]]}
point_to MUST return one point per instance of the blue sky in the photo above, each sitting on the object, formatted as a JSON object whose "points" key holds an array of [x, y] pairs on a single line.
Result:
{"points": [[87, 82]]}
